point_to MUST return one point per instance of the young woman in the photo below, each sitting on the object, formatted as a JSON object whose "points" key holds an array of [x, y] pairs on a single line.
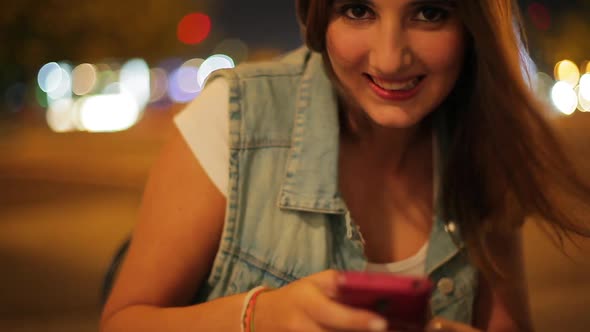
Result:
{"points": [[403, 139]]}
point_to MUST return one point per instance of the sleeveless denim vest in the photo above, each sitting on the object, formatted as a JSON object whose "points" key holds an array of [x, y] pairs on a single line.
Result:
{"points": [[285, 218]]}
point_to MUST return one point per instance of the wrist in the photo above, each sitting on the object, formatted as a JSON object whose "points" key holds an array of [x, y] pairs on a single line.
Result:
{"points": [[264, 306], [250, 306]]}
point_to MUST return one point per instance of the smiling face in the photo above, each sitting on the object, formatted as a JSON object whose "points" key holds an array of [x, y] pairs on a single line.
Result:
{"points": [[395, 60]]}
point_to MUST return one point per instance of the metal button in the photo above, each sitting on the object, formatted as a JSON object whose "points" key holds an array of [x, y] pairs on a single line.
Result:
{"points": [[446, 286], [451, 227]]}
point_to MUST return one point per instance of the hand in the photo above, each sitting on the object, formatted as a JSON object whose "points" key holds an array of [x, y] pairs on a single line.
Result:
{"points": [[438, 324], [308, 305]]}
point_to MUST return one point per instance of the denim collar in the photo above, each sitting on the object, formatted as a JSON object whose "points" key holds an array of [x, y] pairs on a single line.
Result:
{"points": [[311, 178]]}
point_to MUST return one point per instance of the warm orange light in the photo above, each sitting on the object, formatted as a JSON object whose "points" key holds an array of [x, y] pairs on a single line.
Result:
{"points": [[568, 72]]}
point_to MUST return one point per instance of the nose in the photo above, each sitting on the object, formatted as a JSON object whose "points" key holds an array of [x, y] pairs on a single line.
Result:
{"points": [[390, 52]]}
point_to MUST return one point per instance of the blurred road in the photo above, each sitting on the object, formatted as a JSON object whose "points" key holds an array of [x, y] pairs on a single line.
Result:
{"points": [[68, 200]]}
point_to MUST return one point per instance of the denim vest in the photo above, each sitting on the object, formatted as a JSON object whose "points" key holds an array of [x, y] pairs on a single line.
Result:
{"points": [[285, 217]]}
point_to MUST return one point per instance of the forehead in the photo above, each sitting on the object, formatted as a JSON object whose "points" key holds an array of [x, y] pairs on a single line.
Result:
{"points": [[397, 2]]}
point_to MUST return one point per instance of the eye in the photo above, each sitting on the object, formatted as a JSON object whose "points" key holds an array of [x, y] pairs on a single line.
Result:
{"points": [[357, 12], [431, 14]]}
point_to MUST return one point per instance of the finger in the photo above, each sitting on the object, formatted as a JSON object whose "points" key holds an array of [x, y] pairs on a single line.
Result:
{"points": [[438, 324], [334, 315], [326, 281]]}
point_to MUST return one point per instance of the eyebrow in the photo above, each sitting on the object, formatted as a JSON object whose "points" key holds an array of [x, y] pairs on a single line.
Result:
{"points": [[441, 2], [364, 2], [412, 2]]}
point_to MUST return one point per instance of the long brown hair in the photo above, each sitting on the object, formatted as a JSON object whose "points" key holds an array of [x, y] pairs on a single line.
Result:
{"points": [[503, 162]]}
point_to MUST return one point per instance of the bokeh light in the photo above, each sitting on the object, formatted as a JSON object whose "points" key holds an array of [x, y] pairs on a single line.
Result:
{"points": [[168, 65], [196, 63], [213, 63], [194, 28], [540, 16], [49, 76], [106, 77], [61, 115], [187, 79], [113, 89], [175, 91], [158, 84], [235, 48], [109, 112], [104, 67], [584, 93], [187, 76], [64, 86], [564, 97], [135, 78], [567, 71], [84, 79], [75, 97]]}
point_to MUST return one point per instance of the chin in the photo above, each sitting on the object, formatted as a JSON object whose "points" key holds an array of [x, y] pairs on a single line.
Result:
{"points": [[393, 118]]}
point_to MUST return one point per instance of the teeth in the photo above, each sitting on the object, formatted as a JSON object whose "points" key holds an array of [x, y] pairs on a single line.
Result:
{"points": [[408, 85]]}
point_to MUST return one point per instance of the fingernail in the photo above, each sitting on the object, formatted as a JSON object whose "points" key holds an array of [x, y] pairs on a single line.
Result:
{"points": [[378, 325], [436, 327]]}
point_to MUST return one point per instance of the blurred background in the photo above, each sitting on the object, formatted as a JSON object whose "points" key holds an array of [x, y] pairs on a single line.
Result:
{"points": [[87, 94]]}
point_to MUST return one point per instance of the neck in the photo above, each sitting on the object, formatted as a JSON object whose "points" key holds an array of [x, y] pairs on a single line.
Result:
{"points": [[386, 148]]}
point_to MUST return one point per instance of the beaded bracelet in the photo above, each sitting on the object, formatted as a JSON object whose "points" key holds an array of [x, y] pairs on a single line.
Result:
{"points": [[248, 308]]}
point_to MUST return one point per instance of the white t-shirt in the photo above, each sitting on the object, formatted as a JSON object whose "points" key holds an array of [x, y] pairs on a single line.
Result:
{"points": [[204, 124]]}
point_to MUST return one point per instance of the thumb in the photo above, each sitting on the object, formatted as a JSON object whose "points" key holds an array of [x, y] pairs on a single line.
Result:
{"points": [[438, 324]]}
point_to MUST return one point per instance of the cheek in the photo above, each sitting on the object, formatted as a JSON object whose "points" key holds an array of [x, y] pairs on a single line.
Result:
{"points": [[443, 52], [344, 48]]}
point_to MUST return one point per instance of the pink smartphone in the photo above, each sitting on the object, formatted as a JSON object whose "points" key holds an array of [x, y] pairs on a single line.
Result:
{"points": [[402, 300]]}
